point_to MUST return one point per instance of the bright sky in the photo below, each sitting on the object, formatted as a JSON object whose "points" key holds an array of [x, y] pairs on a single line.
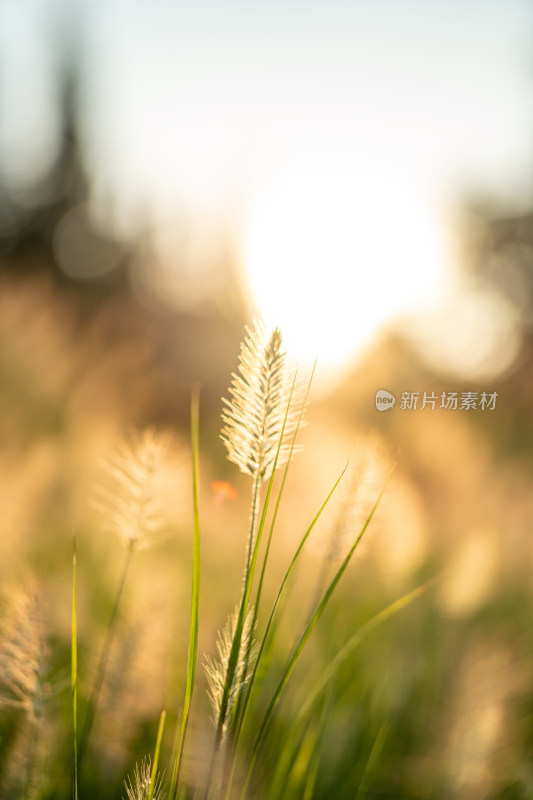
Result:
{"points": [[223, 92], [332, 138]]}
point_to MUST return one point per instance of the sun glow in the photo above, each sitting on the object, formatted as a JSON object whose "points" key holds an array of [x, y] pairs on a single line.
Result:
{"points": [[334, 249]]}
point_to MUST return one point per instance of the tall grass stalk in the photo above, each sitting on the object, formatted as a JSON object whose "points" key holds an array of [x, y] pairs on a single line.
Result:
{"points": [[256, 426], [373, 758], [256, 498], [104, 657], [195, 597], [159, 739], [239, 707], [244, 695], [238, 633]]}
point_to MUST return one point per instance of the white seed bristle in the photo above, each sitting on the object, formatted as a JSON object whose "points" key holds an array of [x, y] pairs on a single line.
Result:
{"points": [[254, 417], [216, 669]]}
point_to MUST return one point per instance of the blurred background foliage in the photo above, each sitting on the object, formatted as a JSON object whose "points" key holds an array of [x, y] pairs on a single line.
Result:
{"points": [[93, 344]]}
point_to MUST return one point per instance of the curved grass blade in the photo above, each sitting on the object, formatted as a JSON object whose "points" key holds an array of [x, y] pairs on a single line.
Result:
{"points": [[284, 582], [314, 761], [373, 758], [195, 595], [293, 753], [301, 720], [153, 777], [354, 642], [104, 658]]}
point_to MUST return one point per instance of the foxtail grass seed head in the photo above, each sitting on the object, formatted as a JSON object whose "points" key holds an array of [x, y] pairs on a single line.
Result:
{"points": [[22, 653], [253, 418], [135, 502], [217, 668], [138, 787], [366, 476]]}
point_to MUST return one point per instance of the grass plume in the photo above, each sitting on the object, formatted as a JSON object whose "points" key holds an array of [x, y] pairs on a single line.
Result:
{"points": [[255, 415], [216, 669], [134, 511], [23, 686], [134, 502], [21, 653], [140, 786]]}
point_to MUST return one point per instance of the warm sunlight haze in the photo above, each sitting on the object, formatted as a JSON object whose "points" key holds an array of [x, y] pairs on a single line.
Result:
{"points": [[315, 236], [328, 152], [266, 392]]}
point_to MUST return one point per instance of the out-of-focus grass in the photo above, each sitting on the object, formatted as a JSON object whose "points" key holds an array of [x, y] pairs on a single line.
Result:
{"points": [[436, 704]]}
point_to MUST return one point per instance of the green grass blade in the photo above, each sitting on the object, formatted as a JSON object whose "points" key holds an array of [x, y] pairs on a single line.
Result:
{"points": [[159, 738], [285, 580], [314, 761], [293, 752], [301, 721], [195, 595], [275, 607], [104, 659], [354, 641], [74, 670], [286, 760], [373, 758], [303, 640]]}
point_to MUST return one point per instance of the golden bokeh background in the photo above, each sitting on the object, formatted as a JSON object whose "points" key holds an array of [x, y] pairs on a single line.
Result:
{"points": [[360, 175]]}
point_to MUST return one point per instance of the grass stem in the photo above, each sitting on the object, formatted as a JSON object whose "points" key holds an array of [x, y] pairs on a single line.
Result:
{"points": [[195, 596], [159, 738], [104, 658]]}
